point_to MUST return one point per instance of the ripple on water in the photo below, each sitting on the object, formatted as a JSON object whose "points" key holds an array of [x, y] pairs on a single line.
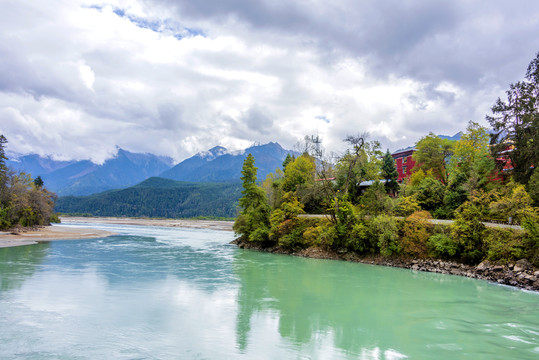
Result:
{"points": [[169, 293]]}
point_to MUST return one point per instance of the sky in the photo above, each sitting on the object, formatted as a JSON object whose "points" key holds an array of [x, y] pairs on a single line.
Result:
{"points": [[80, 78]]}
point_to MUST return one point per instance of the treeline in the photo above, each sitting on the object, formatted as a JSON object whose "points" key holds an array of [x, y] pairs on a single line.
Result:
{"points": [[484, 176], [157, 197], [23, 200]]}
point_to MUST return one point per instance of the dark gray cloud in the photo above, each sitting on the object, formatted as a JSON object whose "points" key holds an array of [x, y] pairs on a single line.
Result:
{"points": [[177, 76], [429, 40]]}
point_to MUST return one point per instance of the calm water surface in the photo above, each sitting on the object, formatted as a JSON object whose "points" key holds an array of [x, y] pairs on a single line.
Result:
{"points": [[164, 293]]}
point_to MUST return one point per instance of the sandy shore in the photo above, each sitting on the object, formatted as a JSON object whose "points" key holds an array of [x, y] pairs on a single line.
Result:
{"points": [[180, 223], [49, 233]]}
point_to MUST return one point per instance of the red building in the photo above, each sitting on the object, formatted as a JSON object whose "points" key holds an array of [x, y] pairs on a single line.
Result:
{"points": [[404, 162]]}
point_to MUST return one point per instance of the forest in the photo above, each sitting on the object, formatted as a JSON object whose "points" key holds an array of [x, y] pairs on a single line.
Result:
{"points": [[158, 197], [488, 175], [23, 201]]}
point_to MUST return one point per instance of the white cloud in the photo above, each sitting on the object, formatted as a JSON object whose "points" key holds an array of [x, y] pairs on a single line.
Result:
{"points": [[87, 75], [176, 78]]}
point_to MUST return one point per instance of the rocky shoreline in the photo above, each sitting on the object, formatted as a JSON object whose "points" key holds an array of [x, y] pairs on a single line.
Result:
{"points": [[521, 274]]}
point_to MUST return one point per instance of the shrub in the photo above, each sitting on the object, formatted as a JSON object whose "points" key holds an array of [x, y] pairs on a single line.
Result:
{"points": [[385, 230], [259, 235], [55, 219], [533, 187], [416, 229], [311, 235], [344, 219], [375, 200], [467, 230], [508, 206], [442, 246], [503, 245], [407, 205], [530, 222], [5, 222], [327, 236], [361, 239], [285, 227]]}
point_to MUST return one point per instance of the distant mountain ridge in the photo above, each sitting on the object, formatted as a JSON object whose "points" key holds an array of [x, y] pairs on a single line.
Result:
{"points": [[126, 169], [455, 137], [218, 164], [84, 177]]}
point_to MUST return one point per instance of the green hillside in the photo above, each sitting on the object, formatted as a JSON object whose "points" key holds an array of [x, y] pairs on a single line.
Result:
{"points": [[158, 197]]}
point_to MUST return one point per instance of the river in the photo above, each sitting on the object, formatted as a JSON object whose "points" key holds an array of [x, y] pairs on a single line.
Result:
{"points": [[169, 293]]}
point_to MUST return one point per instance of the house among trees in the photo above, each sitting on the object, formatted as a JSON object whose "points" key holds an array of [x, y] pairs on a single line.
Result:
{"points": [[404, 162]]}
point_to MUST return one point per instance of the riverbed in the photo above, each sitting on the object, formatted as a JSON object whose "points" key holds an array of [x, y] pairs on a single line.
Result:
{"points": [[162, 293]]}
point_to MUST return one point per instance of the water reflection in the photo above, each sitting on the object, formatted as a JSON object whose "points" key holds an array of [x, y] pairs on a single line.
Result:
{"points": [[19, 263], [375, 312]]}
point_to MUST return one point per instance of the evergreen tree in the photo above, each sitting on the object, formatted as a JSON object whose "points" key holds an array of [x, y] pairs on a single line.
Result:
{"points": [[389, 173], [287, 161], [253, 222], [516, 122], [38, 182], [4, 171]]}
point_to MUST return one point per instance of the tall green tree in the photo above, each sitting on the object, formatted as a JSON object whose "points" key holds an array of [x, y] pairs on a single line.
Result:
{"points": [[38, 182], [287, 161], [432, 154], [516, 122], [471, 159], [253, 222], [4, 196], [3, 166], [389, 173], [299, 172]]}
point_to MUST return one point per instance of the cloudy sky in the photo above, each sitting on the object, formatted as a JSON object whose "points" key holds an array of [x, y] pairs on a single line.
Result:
{"points": [[173, 77]]}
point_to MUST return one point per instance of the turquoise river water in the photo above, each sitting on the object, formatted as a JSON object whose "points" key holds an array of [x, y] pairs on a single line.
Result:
{"points": [[167, 293]]}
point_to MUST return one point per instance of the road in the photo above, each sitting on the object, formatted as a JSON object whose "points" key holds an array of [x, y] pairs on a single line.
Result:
{"points": [[434, 221]]}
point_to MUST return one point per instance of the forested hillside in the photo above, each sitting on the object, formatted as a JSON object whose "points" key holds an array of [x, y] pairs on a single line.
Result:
{"points": [[158, 197]]}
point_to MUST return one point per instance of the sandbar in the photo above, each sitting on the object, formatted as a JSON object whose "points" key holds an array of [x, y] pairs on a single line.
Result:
{"points": [[180, 223], [49, 233]]}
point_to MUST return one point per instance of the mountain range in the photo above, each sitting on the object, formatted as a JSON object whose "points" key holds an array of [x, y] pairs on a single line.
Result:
{"points": [[217, 164], [126, 169]]}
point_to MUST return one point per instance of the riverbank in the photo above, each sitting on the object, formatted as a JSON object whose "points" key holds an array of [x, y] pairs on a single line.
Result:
{"points": [[39, 234], [521, 274], [180, 223]]}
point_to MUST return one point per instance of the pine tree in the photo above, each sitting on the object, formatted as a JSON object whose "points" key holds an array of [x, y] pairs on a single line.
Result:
{"points": [[389, 172], [287, 161], [253, 223], [38, 182], [3, 172]]}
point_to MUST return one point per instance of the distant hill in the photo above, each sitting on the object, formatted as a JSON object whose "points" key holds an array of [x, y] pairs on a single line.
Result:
{"points": [[218, 164], [457, 136], [84, 177], [158, 197]]}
